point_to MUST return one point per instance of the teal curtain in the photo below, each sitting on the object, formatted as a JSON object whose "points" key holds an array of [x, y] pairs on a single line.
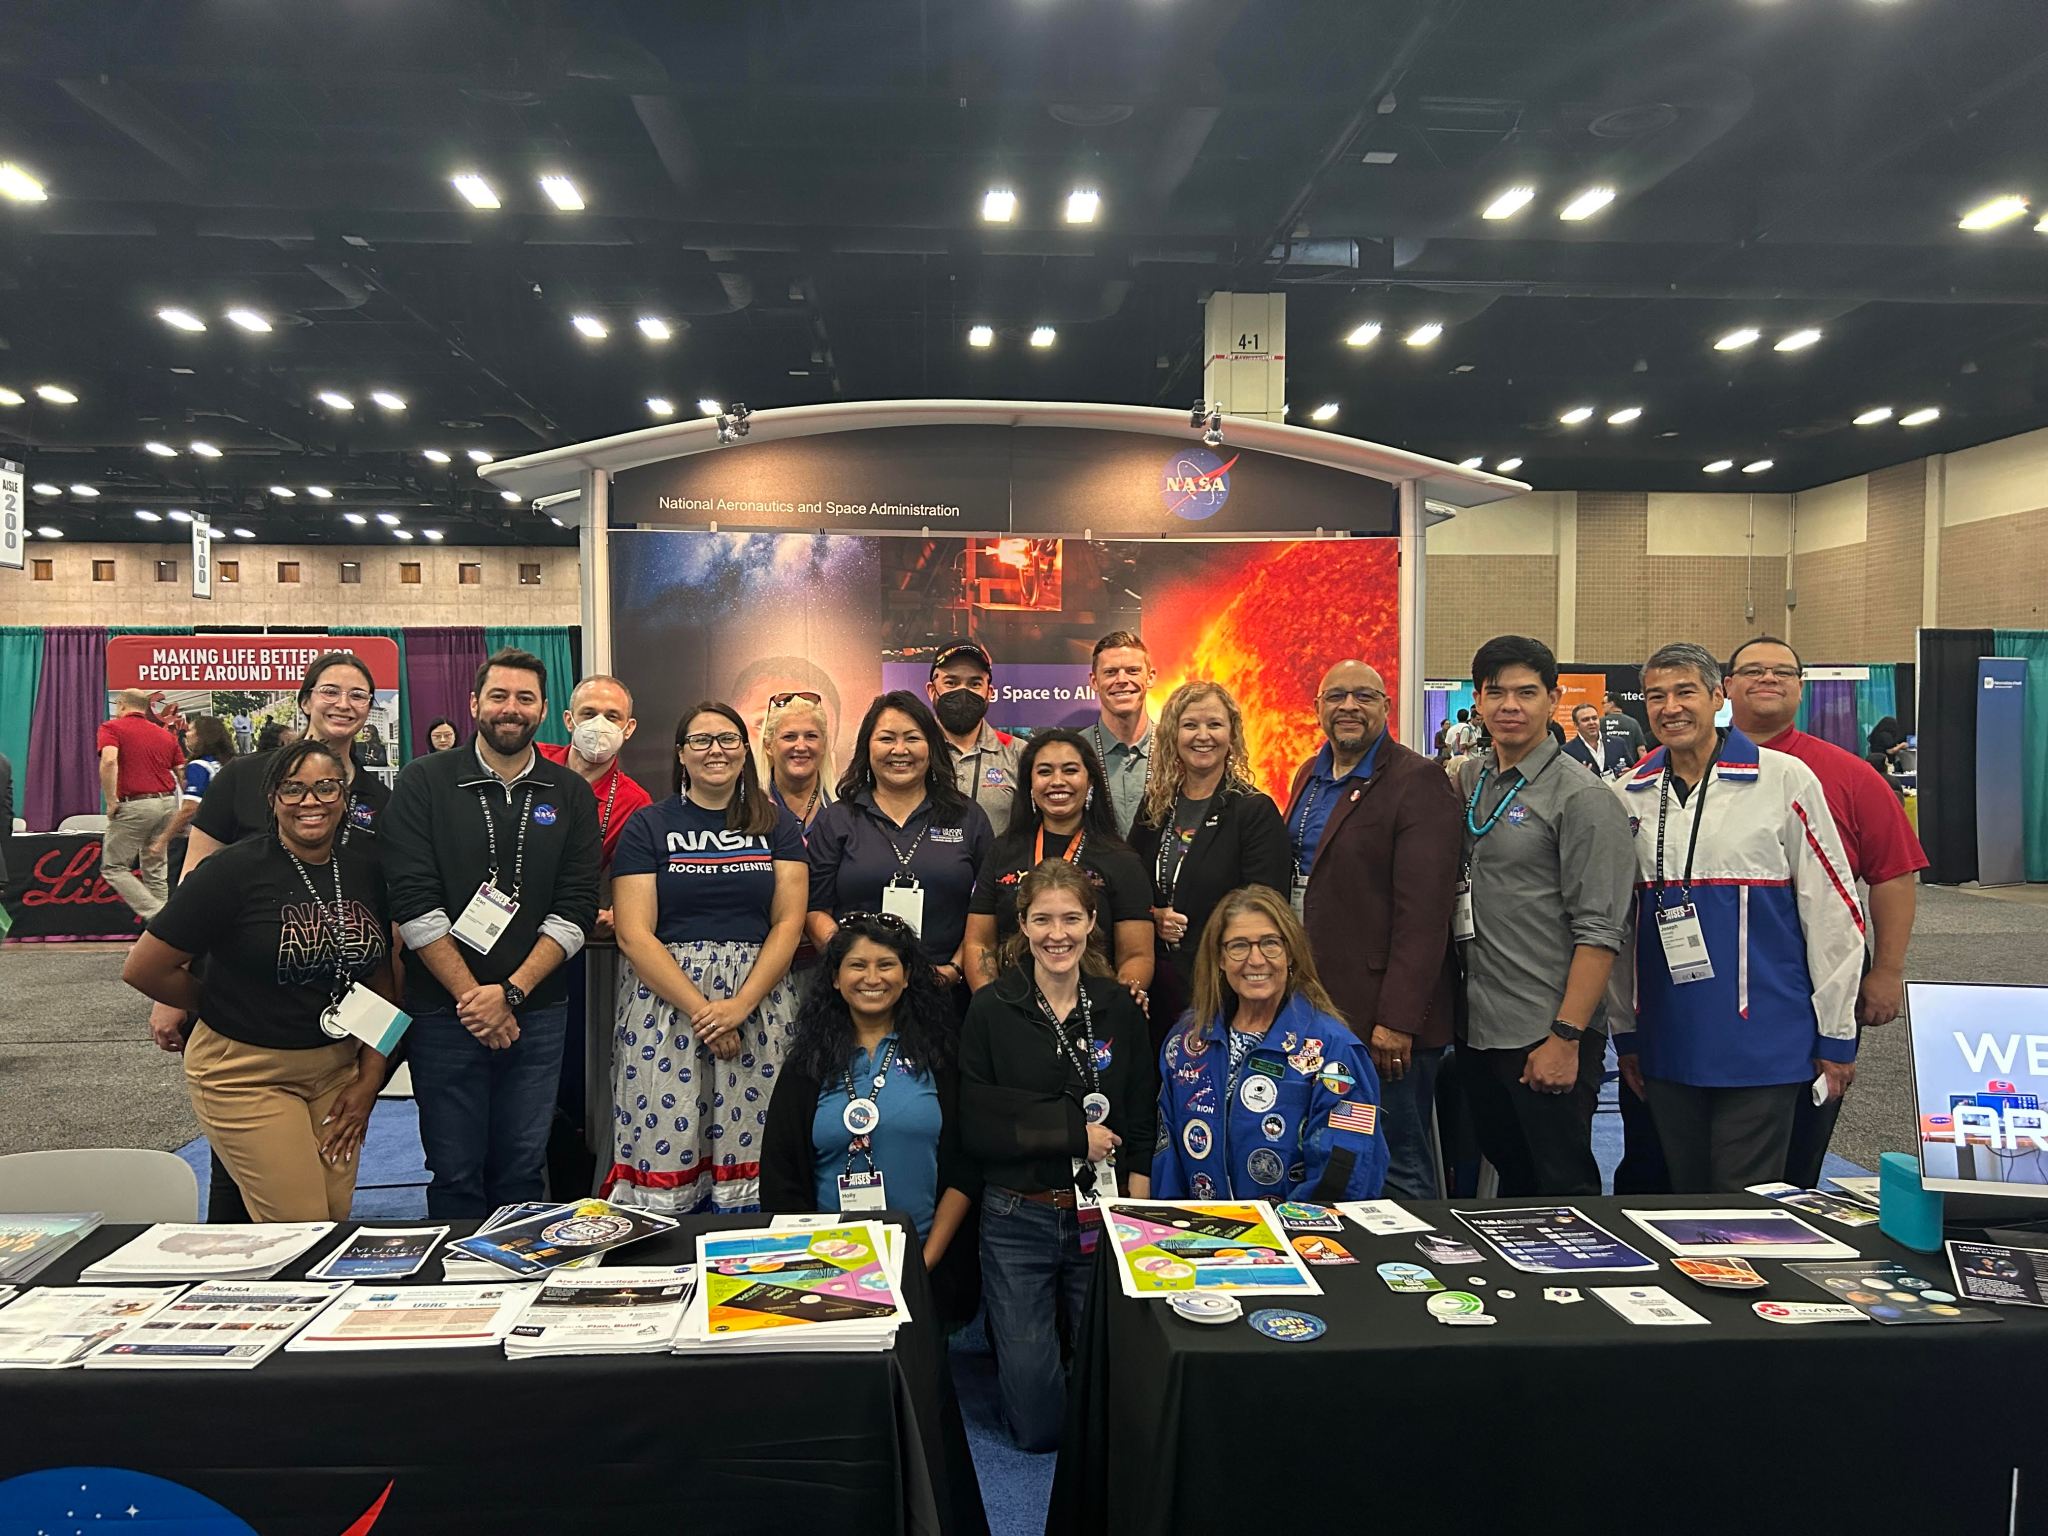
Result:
{"points": [[21, 665], [1876, 697], [397, 638], [2033, 645], [551, 645]]}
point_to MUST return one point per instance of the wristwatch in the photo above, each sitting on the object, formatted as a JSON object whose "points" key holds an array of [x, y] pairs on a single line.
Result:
{"points": [[1565, 1031], [514, 996]]}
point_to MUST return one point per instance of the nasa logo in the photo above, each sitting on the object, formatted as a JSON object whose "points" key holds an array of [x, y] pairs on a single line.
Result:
{"points": [[1517, 814], [1196, 483], [544, 815]]}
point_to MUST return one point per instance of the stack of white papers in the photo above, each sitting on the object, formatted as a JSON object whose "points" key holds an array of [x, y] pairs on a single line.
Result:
{"points": [[221, 1325], [56, 1326], [831, 1288], [417, 1317], [459, 1266], [629, 1309], [181, 1251], [31, 1244]]}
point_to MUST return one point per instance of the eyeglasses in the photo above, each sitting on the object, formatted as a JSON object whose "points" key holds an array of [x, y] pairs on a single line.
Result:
{"points": [[323, 791], [1272, 946], [1335, 696], [704, 741], [777, 700], [329, 693], [887, 920], [1750, 674]]}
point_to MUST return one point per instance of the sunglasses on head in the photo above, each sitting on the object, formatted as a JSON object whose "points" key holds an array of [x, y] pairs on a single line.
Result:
{"points": [[888, 920], [777, 700]]}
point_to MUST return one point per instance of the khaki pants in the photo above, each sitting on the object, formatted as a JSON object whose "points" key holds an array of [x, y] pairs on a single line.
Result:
{"points": [[261, 1110], [132, 827]]}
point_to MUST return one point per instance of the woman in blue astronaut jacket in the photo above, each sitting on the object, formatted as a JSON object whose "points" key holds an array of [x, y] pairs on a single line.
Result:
{"points": [[1264, 1091]]}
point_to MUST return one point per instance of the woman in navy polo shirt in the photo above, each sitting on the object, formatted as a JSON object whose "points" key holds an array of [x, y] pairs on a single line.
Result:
{"points": [[708, 900], [900, 838]]}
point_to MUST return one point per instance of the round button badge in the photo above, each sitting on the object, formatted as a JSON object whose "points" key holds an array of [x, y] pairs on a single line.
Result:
{"points": [[1259, 1094], [1096, 1108], [1288, 1327], [861, 1116]]}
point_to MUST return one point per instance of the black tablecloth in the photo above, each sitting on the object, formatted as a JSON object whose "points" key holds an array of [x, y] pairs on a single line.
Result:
{"points": [[1557, 1418], [303, 1445]]}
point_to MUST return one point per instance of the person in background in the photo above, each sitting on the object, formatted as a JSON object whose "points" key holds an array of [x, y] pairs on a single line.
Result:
{"points": [[286, 923], [275, 734], [207, 747], [1748, 943], [1550, 871], [1265, 1093], [1461, 735], [492, 856], [1618, 722], [711, 887], [1887, 742], [875, 1028], [902, 837], [1055, 1074], [6, 814], [1606, 755], [1064, 813], [139, 764], [1765, 681], [1205, 830], [983, 759], [1121, 673], [442, 736], [1373, 829], [796, 766]]}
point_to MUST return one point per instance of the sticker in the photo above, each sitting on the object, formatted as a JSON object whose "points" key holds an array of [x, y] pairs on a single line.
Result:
{"points": [[1203, 1186], [1479, 1280], [1321, 1250], [1209, 1309], [1258, 1094], [1189, 1074], [1300, 1216], [1722, 1274], [1289, 1327], [1264, 1166], [994, 777], [1195, 1139], [1805, 1312], [1409, 1278], [360, 815], [1102, 1051], [1203, 1100], [1455, 1304], [1308, 1059], [1196, 1045], [1517, 814], [1505, 1295], [1563, 1295], [1337, 1078], [1273, 1128], [544, 815]]}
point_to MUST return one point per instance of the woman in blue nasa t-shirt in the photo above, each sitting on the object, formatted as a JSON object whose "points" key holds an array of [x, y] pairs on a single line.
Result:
{"points": [[708, 894]]}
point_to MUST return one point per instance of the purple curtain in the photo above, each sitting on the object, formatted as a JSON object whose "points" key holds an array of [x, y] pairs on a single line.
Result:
{"points": [[440, 667], [71, 705], [1831, 714]]}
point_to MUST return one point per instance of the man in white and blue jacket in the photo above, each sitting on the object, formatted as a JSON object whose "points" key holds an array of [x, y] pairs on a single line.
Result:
{"points": [[1748, 940]]}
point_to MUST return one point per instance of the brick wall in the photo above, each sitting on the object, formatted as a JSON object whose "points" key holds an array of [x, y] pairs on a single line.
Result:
{"points": [[1472, 598], [1994, 573]]}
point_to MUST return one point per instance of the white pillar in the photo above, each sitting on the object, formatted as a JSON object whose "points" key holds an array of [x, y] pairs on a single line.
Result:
{"points": [[594, 575], [1414, 562], [1245, 372]]}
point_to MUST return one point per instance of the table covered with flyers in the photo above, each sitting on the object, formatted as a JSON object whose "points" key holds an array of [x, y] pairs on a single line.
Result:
{"points": [[1678, 1407], [343, 1441]]}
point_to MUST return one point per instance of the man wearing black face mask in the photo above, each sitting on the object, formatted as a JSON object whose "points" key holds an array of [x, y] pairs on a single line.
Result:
{"points": [[984, 759]]}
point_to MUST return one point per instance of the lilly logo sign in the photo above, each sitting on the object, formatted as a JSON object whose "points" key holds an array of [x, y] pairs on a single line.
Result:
{"points": [[1196, 483]]}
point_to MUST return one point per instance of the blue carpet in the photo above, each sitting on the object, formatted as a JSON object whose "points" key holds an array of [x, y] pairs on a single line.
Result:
{"points": [[1016, 1486], [392, 1182]]}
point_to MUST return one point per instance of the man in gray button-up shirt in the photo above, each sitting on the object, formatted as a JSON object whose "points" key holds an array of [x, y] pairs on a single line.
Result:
{"points": [[1552, 869]]}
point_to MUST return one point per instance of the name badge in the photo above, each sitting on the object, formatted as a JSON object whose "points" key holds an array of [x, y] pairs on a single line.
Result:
{"points": [[862, 1192], [1299, 896], [1094, 1182], [906, 902], [1685, 945], [365, 1016], [485, 919], [1462, 926]]}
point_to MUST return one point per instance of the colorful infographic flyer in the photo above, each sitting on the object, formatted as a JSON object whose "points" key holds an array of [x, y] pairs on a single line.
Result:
{"points": [[1172, 1249], [1891, 1293], [797, 1280], [1994, 1272], [1554, 1240]]}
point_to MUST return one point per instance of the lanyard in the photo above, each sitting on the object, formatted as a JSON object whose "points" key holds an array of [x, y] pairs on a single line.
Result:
{"points": [[1699, 806], [604, 817], [803, 817], [334, 918], [491, 832], [1166, 884], [1310, 796], [1135, 753], [864, 1144], [1479, 829], [1072, 855], [1081, 1059], [903, 859]]}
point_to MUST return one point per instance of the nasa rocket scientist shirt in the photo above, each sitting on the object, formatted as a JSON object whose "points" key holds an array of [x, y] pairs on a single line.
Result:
{"points": [[709, 883]]}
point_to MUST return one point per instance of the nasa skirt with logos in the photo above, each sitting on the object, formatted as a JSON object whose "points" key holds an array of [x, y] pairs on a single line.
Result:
{"points": [[686, 1126]]}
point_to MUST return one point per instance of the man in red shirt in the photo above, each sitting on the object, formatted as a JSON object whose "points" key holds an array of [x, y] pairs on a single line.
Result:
{"points": [[600, 721], [1764, 687], [139, 764]]}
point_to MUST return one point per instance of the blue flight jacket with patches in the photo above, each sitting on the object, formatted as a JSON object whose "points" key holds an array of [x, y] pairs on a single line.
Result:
{"points": [[1312, 1133]]}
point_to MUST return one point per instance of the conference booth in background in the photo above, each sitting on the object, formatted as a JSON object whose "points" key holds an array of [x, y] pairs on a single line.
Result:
{"points": [[1983, 726]]}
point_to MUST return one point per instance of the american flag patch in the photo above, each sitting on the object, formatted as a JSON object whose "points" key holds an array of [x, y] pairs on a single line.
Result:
{"points": [[1355, 1117]]}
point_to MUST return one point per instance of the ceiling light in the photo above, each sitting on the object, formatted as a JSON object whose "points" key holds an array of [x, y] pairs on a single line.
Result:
{"points": [[1717, 466], [181, 319], [335, 401], [354, 517], [87, 491], [508, 495], [1737, 338], [1424, 334], [56, 394], [47, 532], [1365, 335], [653, 328], [1509, 203], [11, 397], [388, 519], [1586, 204], [709, 408], [179, 517], [1577, 414], [388, 400], [18, 186], [216, 533], [475, 190], [284, 492], [478, 455], [1624, 416], [161, 450], [1082, 204], [1508, 466], [2000, 210], [1919, 418], [434, 456], [1381, 156], [148, 517], [1043, 336], [561, 191], [1474, 462], [998, 205], [1873, 416], [1796, 341], [320, 491], [44, 488], [1327, 411], [1756, 466], [249, 320], [431, 533], [660, 406], [981, 336], [205, 450], [402, 533], [590, 326], [245, 533]]}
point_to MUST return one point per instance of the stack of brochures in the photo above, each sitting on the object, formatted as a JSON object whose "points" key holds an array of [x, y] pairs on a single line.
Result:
{"points": [[781, 1291], [554, 1237], [179, 1251], [372, 1317], [31, 1244], [58, 1325], [223, 1325], [628, 1309]]}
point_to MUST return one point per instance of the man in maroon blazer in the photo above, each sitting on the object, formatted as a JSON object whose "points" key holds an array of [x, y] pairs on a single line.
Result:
{"points": [[1376, 838]]}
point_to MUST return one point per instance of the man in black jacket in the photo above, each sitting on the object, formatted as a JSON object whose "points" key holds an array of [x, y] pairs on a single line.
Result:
{"points": [[492, 860]]}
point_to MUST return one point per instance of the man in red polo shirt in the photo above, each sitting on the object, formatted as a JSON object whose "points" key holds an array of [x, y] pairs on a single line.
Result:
{"points": [[600, 721], [1764, 687], [139, 766]]}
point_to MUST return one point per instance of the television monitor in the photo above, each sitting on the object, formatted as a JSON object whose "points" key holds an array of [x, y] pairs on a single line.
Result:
{"points": [[1980, 1074]]}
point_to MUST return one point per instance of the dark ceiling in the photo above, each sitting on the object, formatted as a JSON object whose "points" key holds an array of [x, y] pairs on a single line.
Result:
{"points": [[795, 187]]}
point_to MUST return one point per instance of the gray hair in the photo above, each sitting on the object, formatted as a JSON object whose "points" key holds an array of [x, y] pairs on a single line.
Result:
{"points": [[1682, 653]]}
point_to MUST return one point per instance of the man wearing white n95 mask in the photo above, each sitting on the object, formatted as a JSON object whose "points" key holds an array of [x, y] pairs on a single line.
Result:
{"points": [[600, 721]]}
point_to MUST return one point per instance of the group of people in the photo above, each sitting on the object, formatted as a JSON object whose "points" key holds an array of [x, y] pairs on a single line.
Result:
{"points": [[987, 980]]}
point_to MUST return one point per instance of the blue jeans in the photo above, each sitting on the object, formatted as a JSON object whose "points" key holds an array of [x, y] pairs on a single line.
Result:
{"points": [[484, 1114], [1405, 1110], [1032, 1269]]}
